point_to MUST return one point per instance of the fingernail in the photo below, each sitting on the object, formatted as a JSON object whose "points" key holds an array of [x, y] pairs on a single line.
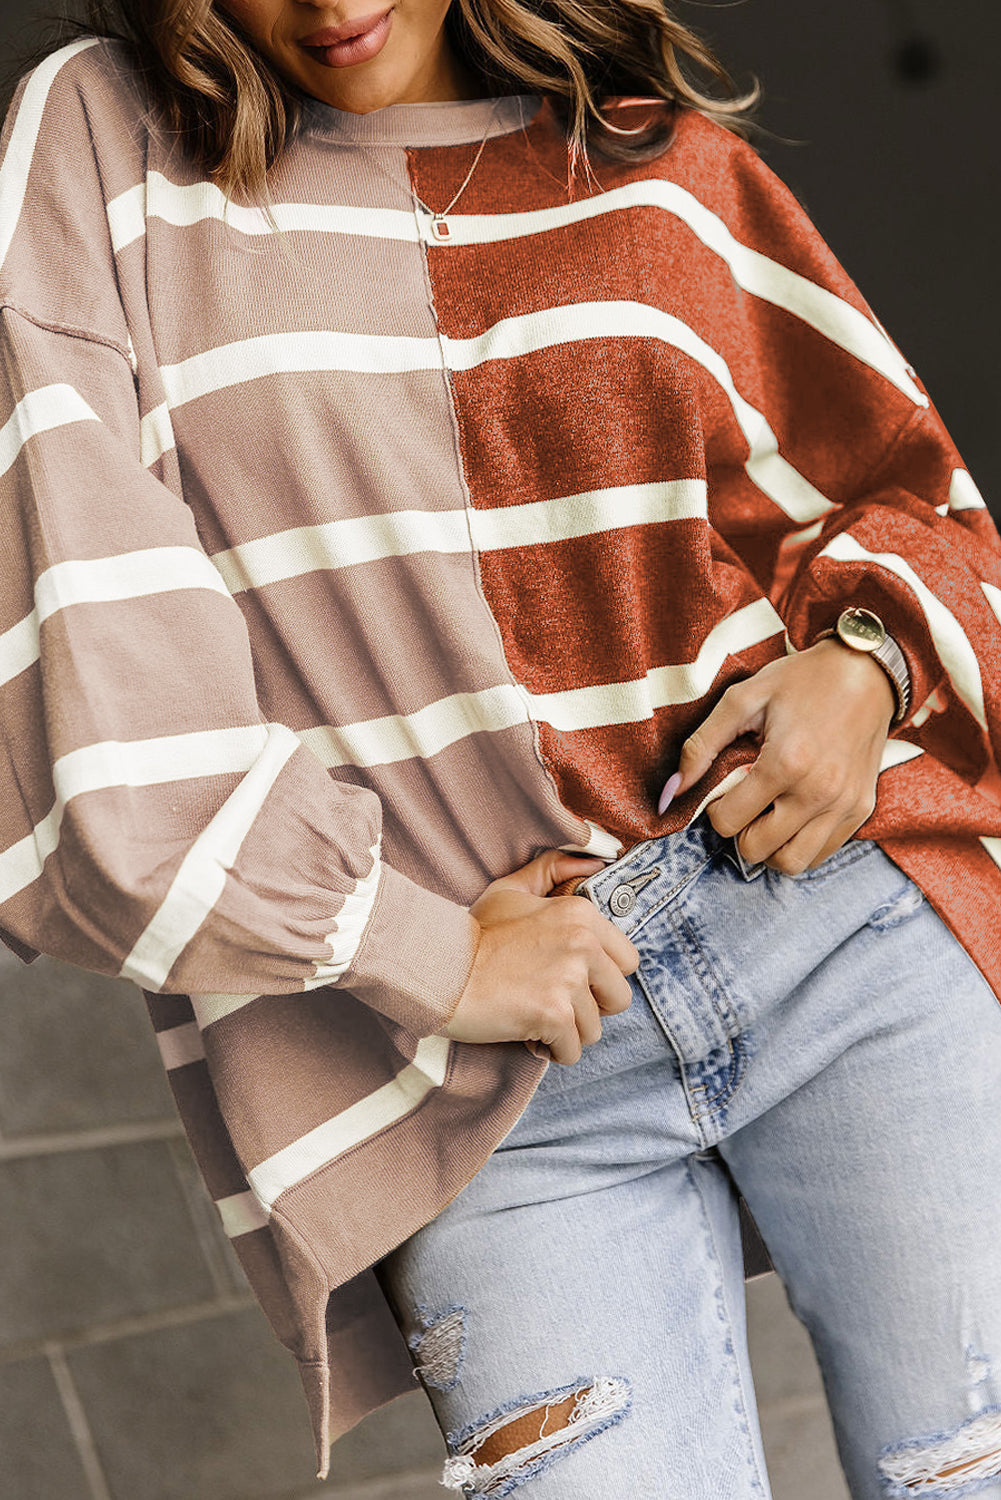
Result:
{"points": [[667, 795]]}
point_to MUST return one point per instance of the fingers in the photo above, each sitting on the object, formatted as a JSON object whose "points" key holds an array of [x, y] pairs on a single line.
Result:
{"points": [[547, 870], [737, 712]]}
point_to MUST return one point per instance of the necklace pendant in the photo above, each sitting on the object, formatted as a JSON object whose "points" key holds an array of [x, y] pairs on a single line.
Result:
{"points": [[440, 229]]}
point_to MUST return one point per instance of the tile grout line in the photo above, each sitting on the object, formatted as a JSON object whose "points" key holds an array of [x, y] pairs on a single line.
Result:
{"points": [[199, 1205], [90, 1140], [135, 1326], [83, 1438]]}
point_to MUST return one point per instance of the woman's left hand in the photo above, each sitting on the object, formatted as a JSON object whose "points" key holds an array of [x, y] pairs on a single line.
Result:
{"points": [[822, 718]]}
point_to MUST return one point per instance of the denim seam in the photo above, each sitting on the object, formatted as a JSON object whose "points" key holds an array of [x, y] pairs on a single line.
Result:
{"points": [[711, 984], [752, 1455], [666, 897], [738, 1061]]}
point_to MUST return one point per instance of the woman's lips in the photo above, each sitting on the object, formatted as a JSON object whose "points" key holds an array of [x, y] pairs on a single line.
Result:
{"points": [[354, 49]]}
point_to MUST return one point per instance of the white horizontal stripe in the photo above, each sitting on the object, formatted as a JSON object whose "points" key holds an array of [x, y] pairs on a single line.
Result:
{"points": [[375, 1112], [184, 205], [285, 353], [209, 1008], [512, 337], [130, 575], [963, 493], [601, 844], [241, 1214], [124, 763], [156, 435], [898, 753], [341, 544], [170, 757], [585, 514], [271, 354], [21, 863], [949, 638], [763, 277], [19, 648], [427, 731], [352, 919], [180, 1046], [20, 152], [993, 847], [43, 410], [629, 702], [767, 279], [401, 533], [201, 879], [127, 215], [993, 597]]}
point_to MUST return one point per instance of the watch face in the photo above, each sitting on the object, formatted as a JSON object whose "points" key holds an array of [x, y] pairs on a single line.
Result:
{"points": [[861, 629]]}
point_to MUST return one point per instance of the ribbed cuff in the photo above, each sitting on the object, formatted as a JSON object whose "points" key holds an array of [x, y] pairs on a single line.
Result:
{"points": [[415, 957]]}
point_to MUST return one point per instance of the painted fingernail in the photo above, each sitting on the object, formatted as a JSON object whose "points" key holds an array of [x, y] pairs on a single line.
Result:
{"points": [[667, 795]]}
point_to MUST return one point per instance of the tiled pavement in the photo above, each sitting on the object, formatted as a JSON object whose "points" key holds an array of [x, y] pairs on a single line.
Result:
{"points": [[134, 1364]]}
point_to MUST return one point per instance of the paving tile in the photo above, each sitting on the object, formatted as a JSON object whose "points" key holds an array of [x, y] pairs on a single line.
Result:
{"points": [[90, 1236], [39, 1459], [209, 1410], [213, 1410], [781, 1353], [400, 1436], [217, 1248], [413, 1486], [801, 1456], [795, 1423], [77, 1051]]}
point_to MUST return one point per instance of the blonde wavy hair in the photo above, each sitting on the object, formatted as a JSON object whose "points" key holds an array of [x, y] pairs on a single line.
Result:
{"points": [[235, 114]]}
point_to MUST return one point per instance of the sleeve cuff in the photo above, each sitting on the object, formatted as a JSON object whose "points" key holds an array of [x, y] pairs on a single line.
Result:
{"points": [[415, 957]]}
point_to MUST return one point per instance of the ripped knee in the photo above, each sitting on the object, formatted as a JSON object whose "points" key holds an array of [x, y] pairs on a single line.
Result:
{"points": [[500, 1452], [947, 1464]]}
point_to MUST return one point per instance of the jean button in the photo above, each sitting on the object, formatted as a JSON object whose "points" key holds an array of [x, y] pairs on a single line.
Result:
{"points": [[622, 900]]}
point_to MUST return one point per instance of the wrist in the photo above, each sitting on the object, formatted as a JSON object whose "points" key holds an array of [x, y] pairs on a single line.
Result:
{"points": [[863, 633]]}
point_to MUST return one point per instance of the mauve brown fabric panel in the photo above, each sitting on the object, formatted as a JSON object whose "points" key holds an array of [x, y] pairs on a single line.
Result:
{"points": [[62, 275], [424, 641], [470, 813], [167, 1011], [329, 1042], [299, 449], [436, 1150]]}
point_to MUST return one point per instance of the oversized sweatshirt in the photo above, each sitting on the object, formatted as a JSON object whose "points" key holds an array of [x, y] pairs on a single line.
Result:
{"points": [[345, 567]]}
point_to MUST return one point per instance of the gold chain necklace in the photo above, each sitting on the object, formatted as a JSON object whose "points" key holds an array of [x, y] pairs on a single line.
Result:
{"points": [[440, 227]]}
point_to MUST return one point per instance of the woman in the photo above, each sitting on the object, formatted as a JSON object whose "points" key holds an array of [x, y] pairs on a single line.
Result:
{"points": [[401, 496]]}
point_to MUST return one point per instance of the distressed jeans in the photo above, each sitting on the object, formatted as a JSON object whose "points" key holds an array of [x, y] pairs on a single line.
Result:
{"points": [[820, 1043]]}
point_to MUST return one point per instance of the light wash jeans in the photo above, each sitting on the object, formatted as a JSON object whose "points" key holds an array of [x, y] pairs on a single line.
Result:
{"points": [[823, 1043]]}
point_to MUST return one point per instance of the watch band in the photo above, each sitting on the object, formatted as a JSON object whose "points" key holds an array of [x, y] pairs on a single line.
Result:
{"points": [[862, 630]]}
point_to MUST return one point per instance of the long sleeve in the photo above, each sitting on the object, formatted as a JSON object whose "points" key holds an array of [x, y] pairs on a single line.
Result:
{"points": [[151, 823], [883, 513]]}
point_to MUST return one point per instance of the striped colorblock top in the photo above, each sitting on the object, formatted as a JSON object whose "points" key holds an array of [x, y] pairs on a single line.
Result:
{"points": [[346, 567]]}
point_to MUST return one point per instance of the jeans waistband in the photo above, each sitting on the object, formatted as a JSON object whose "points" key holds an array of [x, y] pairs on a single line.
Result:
{"points": [[648, 873]]}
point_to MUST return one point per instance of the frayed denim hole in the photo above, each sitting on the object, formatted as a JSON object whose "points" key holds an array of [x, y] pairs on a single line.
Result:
{"points": [[439, 1346], [603, 1401], [916, 1468], [906, 904]]}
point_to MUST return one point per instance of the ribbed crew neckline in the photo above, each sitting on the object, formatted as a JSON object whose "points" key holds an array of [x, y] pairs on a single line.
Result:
{"points": [[451, 122]]}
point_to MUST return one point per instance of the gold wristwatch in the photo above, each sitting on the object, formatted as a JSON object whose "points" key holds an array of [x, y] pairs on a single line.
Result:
{"points": [[861, 630]]}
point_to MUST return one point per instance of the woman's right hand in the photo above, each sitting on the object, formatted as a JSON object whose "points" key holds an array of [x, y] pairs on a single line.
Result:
{"points": [[546, 968]]}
